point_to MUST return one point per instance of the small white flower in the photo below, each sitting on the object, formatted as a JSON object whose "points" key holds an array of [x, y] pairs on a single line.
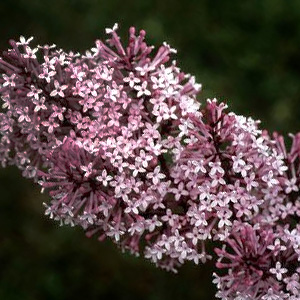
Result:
{"points": [[58, 89], [278, 271], [142, 90], [131, 80], [104, 178], [23, 41], [111, 30]]}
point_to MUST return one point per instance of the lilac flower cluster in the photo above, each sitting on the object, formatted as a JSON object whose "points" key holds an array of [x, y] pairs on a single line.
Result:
{"points": [[119, 140], [262, 256]]}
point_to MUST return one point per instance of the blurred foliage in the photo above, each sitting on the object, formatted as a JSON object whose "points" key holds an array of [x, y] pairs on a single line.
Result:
{"points": [[246, 53]]}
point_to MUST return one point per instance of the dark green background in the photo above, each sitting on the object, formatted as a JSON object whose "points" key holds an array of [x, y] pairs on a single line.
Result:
{"points": [[246, 53]]}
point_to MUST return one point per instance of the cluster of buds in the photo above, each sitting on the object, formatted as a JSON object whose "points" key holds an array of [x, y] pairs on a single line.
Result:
{"points": [[121, 143]]}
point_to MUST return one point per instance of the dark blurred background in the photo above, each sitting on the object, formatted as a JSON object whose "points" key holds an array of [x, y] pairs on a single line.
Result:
{"points": [[246, 53]]}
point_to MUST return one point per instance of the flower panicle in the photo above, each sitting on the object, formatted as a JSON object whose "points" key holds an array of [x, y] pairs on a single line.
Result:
{"points": [[118, 138]]}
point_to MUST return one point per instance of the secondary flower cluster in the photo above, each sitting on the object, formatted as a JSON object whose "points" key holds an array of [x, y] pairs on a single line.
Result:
{"points": [[262, 256], [118, 138]]}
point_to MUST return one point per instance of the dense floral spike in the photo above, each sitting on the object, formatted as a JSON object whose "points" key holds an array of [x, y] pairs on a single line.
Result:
{"points": [[98, 130], [118, 138], [229, 167], [259, 260], [262, 256]]}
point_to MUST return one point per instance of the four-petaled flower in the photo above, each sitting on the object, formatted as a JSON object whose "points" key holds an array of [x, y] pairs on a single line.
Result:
{"points": [[142, 89], [104, 178], [156, 176], [278, 271], [131, 79], [58, 90]]}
